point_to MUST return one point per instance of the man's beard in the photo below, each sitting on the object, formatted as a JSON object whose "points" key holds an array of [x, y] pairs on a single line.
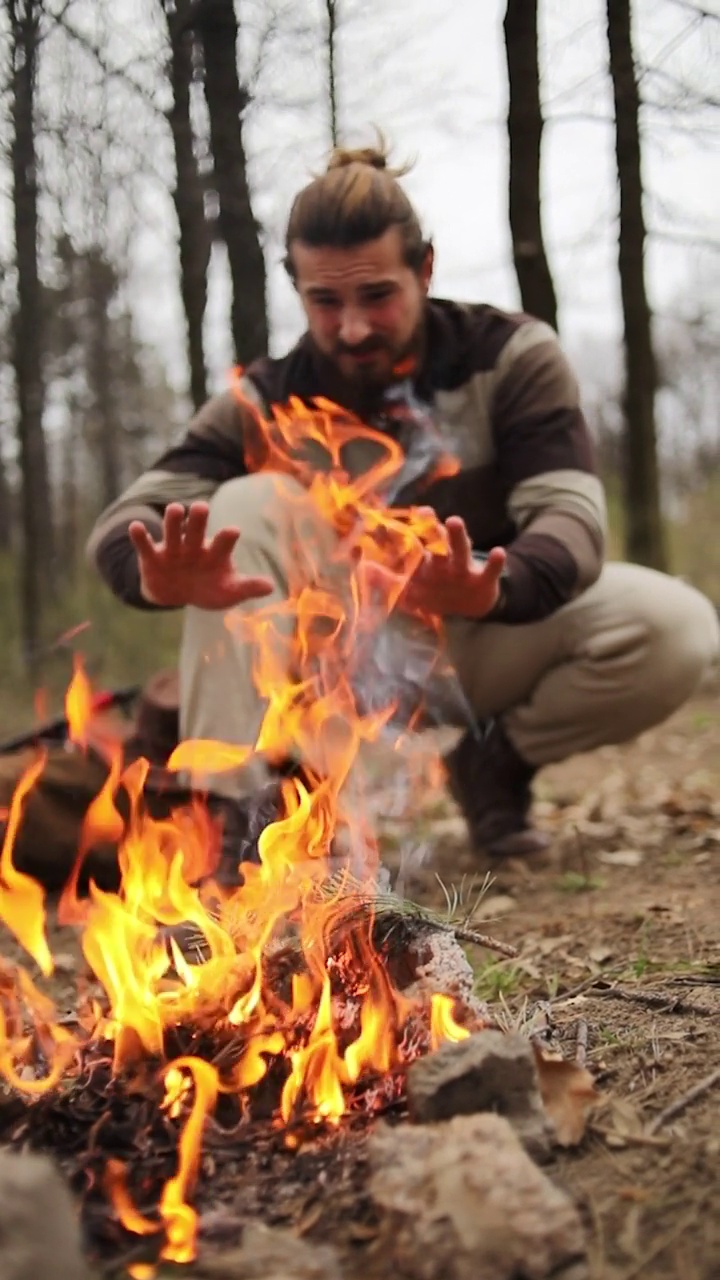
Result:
{"points": [[398, 362]]}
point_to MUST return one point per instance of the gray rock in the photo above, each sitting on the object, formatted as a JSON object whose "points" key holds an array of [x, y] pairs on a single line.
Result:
{"points": [[271, 1253], [463, 1201], [39, 1232], [490, 1071]]}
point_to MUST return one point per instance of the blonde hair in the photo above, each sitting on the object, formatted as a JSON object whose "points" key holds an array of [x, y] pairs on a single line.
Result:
{"points": [[356, 199]]}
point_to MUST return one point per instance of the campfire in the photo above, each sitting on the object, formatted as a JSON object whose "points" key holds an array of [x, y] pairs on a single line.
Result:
{"points": [[297, 1002]]}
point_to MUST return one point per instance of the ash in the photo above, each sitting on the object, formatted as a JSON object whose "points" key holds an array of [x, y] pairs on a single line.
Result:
{"points": [[442, 966]]}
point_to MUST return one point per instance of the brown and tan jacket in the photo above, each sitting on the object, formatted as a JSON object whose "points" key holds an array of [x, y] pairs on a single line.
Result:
{"points": [[504, 398]]}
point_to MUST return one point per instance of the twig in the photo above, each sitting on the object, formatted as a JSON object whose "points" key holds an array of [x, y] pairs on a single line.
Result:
{"points": [[653, 1000], [692, 1095], [483, 940], [578, 990], [632, 1139], [581, 1043]]}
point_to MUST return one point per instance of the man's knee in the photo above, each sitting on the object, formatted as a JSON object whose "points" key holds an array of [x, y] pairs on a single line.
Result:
{"points": [[682, 635], [247, 502]]}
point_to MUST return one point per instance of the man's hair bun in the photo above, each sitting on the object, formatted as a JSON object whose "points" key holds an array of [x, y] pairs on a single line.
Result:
{"points": [[356, 199], [344, 156]]}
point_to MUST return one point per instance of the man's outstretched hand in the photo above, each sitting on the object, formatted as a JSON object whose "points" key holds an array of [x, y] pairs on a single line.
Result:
{"points": [[186, 567], [451, 583]]}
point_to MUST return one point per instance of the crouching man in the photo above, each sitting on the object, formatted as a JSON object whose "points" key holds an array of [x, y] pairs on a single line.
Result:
{"points": [[555, 650]]}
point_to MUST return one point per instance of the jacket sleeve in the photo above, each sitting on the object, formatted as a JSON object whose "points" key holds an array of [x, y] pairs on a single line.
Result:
{"points": [[547, 467]]}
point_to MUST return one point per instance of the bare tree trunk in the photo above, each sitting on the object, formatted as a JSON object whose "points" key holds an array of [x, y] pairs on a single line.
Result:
{"points": [[188, 195], [6, 529], [643, 516], [227, 100], [525, 125], [331, 9], [67, 531], [36, 520], [101, 284]]}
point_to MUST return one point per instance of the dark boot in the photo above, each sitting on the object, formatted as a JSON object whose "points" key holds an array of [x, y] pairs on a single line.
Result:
{"points": [[491, 784], [241, 823]]}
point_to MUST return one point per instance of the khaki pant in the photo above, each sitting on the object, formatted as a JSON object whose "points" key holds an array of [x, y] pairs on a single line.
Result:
{"points": [[602, 669]]}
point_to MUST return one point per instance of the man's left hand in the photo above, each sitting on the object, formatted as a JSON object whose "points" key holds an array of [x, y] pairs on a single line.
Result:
{"points": [[452, 582]]}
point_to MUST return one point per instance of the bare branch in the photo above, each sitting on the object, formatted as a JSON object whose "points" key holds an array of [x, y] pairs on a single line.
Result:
{"points": [[120, 74], [697, 9]]}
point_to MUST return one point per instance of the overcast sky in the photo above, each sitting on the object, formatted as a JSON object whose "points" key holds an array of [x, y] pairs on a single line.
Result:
{"points": [[431, 74]]}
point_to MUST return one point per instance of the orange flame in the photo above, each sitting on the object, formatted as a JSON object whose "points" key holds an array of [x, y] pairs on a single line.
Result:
{"points": [[442, 1021], [307, 661], [177, 1216], [22, 899], [79, 704]]}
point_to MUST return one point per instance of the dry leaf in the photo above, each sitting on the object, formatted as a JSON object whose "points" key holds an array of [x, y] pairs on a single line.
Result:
{"points": [[568, 1093]]}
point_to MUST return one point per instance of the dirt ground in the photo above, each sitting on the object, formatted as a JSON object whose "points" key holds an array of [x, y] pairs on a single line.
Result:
{"points": [[618, 937], [618, 932]]}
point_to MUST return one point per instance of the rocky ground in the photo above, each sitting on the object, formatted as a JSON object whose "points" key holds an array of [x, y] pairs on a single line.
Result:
{"points": [[618, 933], [618, 937]]}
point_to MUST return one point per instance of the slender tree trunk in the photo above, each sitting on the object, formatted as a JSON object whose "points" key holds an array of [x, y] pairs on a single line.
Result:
{"points": [[67, 532], [188, 196], [6, 529], [36, 521], [525, 125], [644, 527], [101, 284], [331, 10], [226, 101]]}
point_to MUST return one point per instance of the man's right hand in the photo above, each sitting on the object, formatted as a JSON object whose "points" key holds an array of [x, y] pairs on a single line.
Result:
{"points": [[187, 568]]}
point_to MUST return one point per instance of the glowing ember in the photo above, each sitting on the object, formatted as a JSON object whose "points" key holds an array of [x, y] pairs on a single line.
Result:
{"points": [[336, 1019]]}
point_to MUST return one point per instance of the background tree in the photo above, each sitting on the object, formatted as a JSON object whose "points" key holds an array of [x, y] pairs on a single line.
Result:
{"points": [[6, 497], [25, 17], [643, 516], [227, 101], [188, 192], [525, 126], [331, 12]]}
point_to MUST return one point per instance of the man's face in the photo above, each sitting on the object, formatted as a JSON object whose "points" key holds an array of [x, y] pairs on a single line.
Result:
{"points": [[363, 305]]}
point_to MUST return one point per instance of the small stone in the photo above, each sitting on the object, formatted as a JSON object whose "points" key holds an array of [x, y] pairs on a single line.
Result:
{"points": [[463, 1201], [490, 1071], [271, 1253], [39, 1232]]}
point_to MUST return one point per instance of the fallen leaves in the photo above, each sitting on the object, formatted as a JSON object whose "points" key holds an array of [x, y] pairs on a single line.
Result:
{"points": [[568, 1093]]}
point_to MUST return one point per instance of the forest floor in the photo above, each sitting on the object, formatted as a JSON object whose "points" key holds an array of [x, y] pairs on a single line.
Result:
{"points": [[618, 938], [618, 932]]}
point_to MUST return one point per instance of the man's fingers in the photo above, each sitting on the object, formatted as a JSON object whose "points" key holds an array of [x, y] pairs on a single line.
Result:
{"points": [[250, 589], [460, 544], [195, 526], [494, 565], [221, 545], [173, 522], [141, 539]]}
